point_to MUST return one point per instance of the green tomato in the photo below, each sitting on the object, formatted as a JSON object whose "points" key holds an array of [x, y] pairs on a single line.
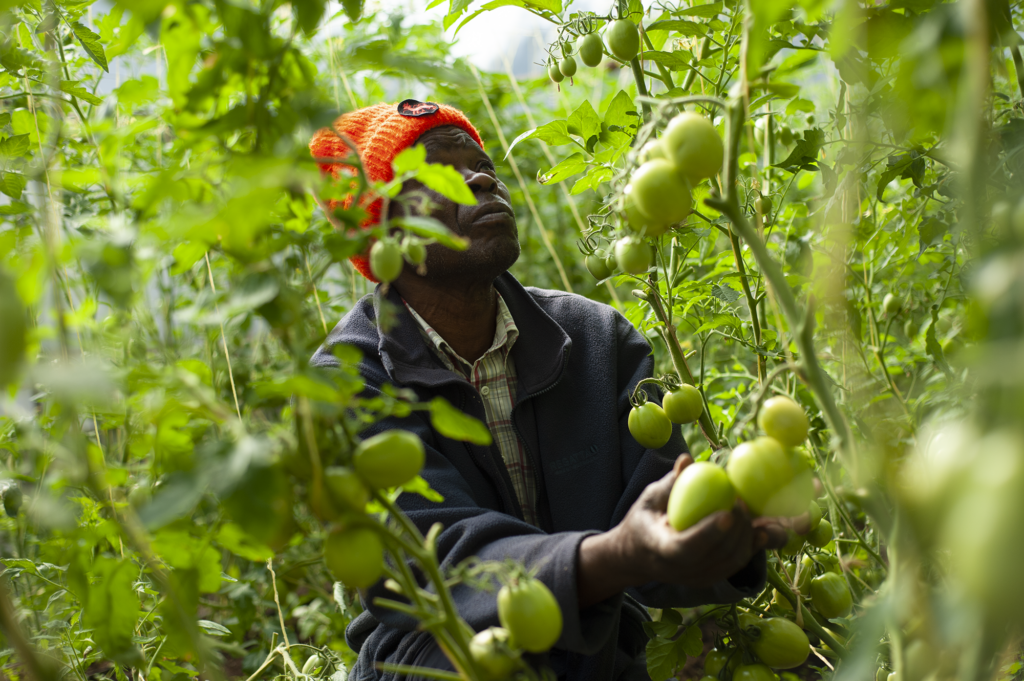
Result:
{"points": [[632, 255], [830, 595], [13, 329], [555, 74], [491, 651], [530, 613], [764, 206], [13, 499], [716, 660], [694, 145], [753, 672], [791, 499], [567, 66], [355, 556], [591, 50], [814, 512], [346, 489], [758, 470], [652, 150], [415, 251], [611, 261], [782, 644], [312, 663], [785, 135], [649, 426], [637, 221], [891, 305], [386, 260], [598, 266], [794, 542], [661, 193], [683, 405], [783, 419], [821, 535], [389, 459], [700, 490], [623, 39]]}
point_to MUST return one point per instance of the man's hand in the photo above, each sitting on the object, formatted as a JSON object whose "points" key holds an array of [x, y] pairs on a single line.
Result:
{"points": [[645, 548]]}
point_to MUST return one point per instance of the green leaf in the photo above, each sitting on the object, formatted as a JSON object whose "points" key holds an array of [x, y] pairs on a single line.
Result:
{"points": [[621, 112], [14, 146], [718, 321], [234, 539], [674, 61], [12, 184], [584, 122], [213, 628], [709, 11], [420, 486], [931, 231], [680, 26], [597, 176], [432, 229], [91, 44], [555, 133], [573, 165], [446, 181], [73, 88], [805, 154], [410, 159], [691, 641], [554, 6], [112, 608], [456, 425], [663, 658]]}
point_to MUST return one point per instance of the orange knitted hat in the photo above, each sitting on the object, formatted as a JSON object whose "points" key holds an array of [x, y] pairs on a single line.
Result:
{"points": [[380, 132]]}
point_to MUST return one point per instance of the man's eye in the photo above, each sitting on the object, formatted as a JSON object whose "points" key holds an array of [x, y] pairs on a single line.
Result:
{"points": [[486, 165]]}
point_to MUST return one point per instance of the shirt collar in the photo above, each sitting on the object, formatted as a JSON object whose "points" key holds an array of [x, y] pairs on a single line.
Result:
{"points": [[505, 335]]}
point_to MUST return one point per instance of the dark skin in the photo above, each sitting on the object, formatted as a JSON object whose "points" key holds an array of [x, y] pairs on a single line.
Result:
{"points": [[456, 296]]}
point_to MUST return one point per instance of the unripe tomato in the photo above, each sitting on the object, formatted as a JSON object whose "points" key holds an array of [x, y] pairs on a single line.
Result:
{"points": [[637, 221], [793, 544], [312, 662], [791, 499], [623, 39], [355, 556], [700, 490], [632, 255], [716, 660], [780, 602], [491, 651], [591, 50], [13, 499], [554, 74], [611, 261], [785, 135], [830, 595], [753, 672], [652, 150], [661, 193], [683, 405], [13, 327], [567, 66], [389, 459], [784, 420], [891, 305], [692, 142], [758, 470], [598, 266], [346, 489], [782, 644], [415, 251], [386, 261], [821, 535], [831, 563], [649, 426], [764, 206], [815, 515], [531, 614]]}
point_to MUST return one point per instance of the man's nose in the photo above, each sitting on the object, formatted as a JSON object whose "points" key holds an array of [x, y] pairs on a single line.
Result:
{"points": [[482, 182]]}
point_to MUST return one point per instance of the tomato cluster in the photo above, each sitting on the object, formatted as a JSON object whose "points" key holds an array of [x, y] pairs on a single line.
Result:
{"points": [[388, 257]]}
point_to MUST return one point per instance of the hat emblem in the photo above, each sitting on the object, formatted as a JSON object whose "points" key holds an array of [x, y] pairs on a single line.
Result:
{"points": [[415, 109]]}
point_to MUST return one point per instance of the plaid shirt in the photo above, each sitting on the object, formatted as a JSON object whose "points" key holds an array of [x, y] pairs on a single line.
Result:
{"points": [[494, 377]]}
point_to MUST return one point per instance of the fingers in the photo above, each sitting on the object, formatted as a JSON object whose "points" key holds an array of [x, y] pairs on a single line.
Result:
{"points": [[769, 534], [656, 495]]}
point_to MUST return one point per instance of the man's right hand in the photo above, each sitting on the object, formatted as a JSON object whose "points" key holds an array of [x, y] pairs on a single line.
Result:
{"points": [[644, 547]]}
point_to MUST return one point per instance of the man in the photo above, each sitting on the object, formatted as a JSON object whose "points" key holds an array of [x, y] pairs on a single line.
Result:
{"points": [[564, 487]]}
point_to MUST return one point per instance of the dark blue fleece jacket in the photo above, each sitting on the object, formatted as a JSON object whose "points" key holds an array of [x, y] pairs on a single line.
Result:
{"points": [[577, 362]]}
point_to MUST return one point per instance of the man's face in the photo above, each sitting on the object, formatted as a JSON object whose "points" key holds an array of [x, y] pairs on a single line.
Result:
{"points": [[490, 225]]}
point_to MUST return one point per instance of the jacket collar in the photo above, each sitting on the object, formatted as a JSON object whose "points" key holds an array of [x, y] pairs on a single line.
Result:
{"points": [[540, 353]]}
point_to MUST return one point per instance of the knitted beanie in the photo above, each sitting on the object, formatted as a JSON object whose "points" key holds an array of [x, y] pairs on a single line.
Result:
{"points": [[379, 132]]}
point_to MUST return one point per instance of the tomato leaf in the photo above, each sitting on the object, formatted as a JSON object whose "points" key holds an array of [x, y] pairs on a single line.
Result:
{"points": [[584, 122], [663, 658], [680, 26], [691, 641], [91, 44], [420, 486], [446, 181], [432, 229], [112, 608], [457, 425]]}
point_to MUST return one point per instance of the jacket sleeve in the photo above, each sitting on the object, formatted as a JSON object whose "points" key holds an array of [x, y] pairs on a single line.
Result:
{"points": [[635, 364], [471, 530]]}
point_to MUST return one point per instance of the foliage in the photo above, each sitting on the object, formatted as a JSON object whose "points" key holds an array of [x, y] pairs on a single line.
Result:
{"points": [[167, 270]]}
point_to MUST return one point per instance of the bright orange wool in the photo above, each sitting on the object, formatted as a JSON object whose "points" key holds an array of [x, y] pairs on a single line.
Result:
{"points": [[379, 132]]}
